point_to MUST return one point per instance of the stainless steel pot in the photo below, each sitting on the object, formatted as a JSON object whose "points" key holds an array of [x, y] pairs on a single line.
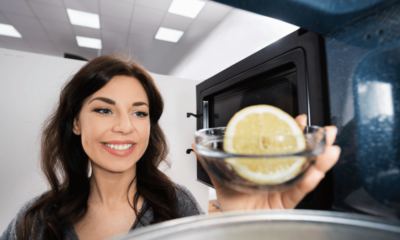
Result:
{"points": [[272, 224]]}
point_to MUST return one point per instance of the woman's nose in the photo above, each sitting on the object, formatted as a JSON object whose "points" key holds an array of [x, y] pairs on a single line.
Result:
{"points": [[123, 124]]}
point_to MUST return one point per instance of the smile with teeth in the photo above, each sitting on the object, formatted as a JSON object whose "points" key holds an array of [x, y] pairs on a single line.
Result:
{"points": [[119, 146]]}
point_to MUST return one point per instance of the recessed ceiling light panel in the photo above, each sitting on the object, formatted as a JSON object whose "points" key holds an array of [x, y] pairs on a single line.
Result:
{"points": [[88, 42], [169, 35], [9, 30], [187, 8], [83, 19]]}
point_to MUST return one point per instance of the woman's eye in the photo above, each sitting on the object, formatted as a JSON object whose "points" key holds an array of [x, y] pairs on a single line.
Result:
{"points": [[103, 111], [140, 114]]}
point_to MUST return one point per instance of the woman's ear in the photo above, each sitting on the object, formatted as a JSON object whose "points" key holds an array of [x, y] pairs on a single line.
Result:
{"points": [[76, 128]]}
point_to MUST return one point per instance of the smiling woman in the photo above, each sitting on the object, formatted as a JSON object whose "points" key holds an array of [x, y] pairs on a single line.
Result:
{"points": [[106, 121]]}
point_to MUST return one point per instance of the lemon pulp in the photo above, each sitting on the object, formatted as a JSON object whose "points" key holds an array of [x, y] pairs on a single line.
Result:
{"points": [[264, 130]]}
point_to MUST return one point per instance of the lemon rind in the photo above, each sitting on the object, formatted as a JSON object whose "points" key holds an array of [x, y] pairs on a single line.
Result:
{"points": [[271, 178]]}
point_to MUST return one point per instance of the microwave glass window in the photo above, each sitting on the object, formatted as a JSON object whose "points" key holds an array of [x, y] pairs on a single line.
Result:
{"points": [[279, 91]]}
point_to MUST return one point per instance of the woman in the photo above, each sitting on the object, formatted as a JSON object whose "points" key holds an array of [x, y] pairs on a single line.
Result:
{"points": [[100, 152]]}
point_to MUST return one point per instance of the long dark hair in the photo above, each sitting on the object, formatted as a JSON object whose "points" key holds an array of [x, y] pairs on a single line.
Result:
{"points": [[66, 165]]}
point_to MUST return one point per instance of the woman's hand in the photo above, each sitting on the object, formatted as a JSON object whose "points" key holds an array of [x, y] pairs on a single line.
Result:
{"points": [[231, 200]]}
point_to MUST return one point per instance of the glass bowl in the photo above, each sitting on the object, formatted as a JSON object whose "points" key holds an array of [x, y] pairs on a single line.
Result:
{"points": [[224, 168]]}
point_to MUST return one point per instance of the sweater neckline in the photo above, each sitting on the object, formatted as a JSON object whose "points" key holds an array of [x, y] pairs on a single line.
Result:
{"points": [[71, 229]]}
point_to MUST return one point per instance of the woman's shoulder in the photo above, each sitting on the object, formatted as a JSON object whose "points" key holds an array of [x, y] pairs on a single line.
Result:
{"points": [[29, 204], [187, 203], [11, 231]]}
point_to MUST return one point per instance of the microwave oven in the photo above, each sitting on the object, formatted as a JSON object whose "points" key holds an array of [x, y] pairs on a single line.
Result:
{"points": [[342, 67], [288, 74]]}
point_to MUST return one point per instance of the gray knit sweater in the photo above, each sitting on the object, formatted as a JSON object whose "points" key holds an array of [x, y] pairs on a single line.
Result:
{"points": [[187, 206]]}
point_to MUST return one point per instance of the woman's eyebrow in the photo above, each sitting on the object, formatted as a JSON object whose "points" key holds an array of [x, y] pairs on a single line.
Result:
{"points": [[112, 102], [135, 104], [107, 100]]}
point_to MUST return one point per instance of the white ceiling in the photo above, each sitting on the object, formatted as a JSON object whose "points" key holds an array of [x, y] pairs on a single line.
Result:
{"points": [[126, 27]]}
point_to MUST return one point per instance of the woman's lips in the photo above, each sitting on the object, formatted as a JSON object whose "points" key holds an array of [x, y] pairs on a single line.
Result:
{"points": [[119, 153]]}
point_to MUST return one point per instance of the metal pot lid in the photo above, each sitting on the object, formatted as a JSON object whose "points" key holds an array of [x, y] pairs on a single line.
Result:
{"points": [[271, 224]]}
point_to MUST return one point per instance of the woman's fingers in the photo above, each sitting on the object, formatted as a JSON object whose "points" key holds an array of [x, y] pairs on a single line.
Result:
{"points": [[328, 158], [302, 121], [316, 173], [313, 176], [293, 196], [331, 132]]}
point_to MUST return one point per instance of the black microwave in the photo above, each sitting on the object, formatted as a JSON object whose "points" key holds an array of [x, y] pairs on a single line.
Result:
{"points": [[343, 71], [289, 74]]}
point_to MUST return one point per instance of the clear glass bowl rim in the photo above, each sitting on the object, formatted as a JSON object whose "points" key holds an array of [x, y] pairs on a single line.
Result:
{"points": [[200, 132], [215, 153]]}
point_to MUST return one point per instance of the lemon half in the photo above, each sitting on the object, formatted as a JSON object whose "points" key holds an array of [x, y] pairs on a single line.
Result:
{"points": [[264, 130]]}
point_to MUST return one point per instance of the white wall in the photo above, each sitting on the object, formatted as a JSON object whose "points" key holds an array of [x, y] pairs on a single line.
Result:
{"points": [[238, 36], [180, 98], [29, 89]]}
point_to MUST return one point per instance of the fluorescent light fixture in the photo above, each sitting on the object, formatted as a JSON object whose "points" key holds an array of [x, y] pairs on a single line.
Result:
{"points": [[88, 42], [83, 19], [187, 8], [169, 35], [9, 30]]}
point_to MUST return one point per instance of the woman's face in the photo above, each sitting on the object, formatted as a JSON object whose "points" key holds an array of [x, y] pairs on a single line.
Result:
{"points": [[114, 124]]}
